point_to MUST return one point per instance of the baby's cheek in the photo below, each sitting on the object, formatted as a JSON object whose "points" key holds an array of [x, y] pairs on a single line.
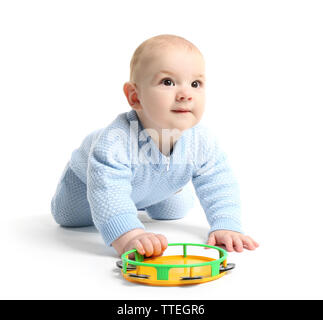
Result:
{"points": [[164, 101], [198, 113]]}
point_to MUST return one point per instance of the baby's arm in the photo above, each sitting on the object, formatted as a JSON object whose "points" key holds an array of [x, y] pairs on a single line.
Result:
{"points": [[148, 244], [218, 193], [109, 188], [216, 188]]}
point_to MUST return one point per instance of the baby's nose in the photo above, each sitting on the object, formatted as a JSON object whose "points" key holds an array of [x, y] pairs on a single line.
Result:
{"points": [[184, 97]]}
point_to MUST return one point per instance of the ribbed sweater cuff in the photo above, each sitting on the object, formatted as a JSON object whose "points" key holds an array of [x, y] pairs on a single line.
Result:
{"points": [[117, 226], [226, 223]]}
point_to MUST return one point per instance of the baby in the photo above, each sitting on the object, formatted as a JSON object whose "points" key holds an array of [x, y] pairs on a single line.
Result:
{"points": [[145, 158]]}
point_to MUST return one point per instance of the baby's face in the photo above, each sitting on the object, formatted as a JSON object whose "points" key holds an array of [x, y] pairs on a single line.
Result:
{"points": [[170, 80]]}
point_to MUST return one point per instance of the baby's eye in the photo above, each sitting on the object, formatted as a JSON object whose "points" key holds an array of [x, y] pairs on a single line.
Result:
{"points": [[167, 82], [196, 84]]}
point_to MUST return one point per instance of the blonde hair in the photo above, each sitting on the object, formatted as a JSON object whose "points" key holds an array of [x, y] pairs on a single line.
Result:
{"points": [[159, 41]]}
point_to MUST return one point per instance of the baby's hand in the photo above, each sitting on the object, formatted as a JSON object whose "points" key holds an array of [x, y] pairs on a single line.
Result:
{"points": [[148, 244], [231, 240]]}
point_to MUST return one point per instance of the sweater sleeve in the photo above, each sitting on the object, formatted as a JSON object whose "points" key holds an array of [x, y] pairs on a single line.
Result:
{"points": [[109, 178], [216, 187]]}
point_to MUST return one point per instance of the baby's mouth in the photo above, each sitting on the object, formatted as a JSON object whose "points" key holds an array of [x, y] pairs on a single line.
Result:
{"points": [[181, 110]]}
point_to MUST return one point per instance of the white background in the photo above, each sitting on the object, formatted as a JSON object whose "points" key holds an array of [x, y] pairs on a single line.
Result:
{"points": [[62, 68]]}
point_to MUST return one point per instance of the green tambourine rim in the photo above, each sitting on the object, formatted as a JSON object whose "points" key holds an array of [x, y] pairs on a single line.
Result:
{"points": [[140, 258]]}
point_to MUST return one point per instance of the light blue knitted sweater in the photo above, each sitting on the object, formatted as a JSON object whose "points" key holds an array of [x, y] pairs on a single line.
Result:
{"points": [[125, 171]]}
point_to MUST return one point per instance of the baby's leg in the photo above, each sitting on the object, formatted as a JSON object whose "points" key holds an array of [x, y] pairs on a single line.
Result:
{"points": [[69, 205], [175, 207]]}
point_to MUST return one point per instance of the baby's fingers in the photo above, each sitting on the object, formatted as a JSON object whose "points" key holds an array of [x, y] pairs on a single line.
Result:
{"points": [[163, 241], [238, 245], [148, 246], [227, 241], [250, 244], [157, 248], [211, 241], [140, 248]]}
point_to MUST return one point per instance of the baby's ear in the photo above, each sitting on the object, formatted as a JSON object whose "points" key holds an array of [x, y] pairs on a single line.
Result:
{"points": [[130, 91]]}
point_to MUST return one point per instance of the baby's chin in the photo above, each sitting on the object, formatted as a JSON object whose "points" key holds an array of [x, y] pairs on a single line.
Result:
{"points": [[182, 125]]}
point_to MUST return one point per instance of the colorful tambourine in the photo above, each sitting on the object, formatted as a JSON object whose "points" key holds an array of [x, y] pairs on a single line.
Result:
{"points": [[174, 270]]}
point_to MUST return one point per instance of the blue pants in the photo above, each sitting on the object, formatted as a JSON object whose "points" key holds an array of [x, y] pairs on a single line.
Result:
{"points": [[70, 207]]}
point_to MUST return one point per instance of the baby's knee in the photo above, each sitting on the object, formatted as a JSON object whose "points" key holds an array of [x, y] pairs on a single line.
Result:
{"points": [[69, 216], [58, 214], [69, 206]]}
